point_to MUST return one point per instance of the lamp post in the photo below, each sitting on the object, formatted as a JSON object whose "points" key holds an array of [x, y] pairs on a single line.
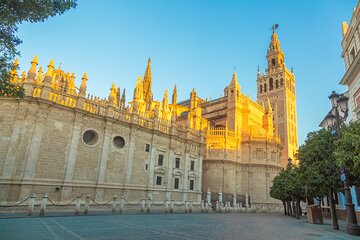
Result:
{"points": [[334, 119]]}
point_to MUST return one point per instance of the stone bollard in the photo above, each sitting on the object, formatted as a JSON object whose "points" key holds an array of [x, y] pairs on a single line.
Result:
{"points": [[206, 206], [238, 207], [122, 200], [31, 203], [171, 206], [87, 205], [166, 206], [190, 206], [148, 205], [77, 204], [43, 204], [186, 207], [143, 205], [114, 203], [247, 201], [217, 207], [202, 206]]}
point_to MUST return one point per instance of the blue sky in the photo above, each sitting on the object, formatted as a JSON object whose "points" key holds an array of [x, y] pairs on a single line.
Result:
{"points": [[196, 44]]}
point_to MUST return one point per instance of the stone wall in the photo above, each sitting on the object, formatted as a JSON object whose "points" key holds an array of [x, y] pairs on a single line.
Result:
{"points": [[42, 150]]}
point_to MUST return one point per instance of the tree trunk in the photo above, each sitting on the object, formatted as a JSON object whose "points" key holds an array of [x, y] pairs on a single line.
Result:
{"points": [[297, 206], [289, 209], [333, 210], [293, 208], [284, 204]]}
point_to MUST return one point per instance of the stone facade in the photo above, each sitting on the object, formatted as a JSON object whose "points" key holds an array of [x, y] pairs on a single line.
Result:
{"points": [[350, 52], [59, 141]]}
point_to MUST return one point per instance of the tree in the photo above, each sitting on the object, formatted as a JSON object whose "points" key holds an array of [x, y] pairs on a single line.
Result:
{"points": [[13, 13], [287, 187], [319, 168], [347, 152]]}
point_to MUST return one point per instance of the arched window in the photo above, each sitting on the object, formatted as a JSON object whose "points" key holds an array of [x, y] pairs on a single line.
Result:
{"points": [[281, 82], [271, 85], [277, 84], [264, 87], [260, 88], [273, 61]]}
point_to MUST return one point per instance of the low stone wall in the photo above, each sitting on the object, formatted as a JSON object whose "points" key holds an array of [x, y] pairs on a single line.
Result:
{"points": [[340, 213]]}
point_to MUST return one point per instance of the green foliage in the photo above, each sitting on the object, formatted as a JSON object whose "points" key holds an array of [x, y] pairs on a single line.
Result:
{"points": [[318, 167], [347, 152], [287, 185], [13, 13]]}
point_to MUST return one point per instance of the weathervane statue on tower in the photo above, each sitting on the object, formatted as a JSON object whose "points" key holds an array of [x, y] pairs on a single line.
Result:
{"points": [[275, 26]]}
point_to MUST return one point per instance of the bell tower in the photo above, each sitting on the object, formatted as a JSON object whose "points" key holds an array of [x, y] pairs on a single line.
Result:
{"points": [[277, 85]]}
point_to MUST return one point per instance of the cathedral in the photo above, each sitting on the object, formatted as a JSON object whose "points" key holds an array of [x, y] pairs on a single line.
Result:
{"points": [[62, 141]]}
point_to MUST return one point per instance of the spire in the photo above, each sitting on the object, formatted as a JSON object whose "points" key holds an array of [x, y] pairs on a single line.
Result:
{"points": [[123, 99], [234, 81], [112, 95], [34, 63], [138, 91], [345, 28], [258, 72], [50, 68], [83, 84], [13, 71], [165, 100], [275, 55], [147, 93], [118, 96], [39, 75], [174, 95]]}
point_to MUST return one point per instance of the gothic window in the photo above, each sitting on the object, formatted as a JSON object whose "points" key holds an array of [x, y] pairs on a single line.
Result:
{"points": [[352, 55], [176, 183], [277, 84], [260, 88], [147, 147], [281, 82], [160, 160], [192, 166], [191, 184], [273, 62], [271, 84], [177, 162], [158, 180], [264, 87]]}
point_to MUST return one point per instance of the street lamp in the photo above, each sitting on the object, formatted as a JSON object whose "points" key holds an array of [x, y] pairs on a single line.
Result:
{"points": [[334, 119]]}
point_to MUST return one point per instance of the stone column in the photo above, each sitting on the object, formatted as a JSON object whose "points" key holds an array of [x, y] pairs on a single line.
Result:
{"points": [[32, 150], [19, 139], [71, 156], [170, 169], [131, 150], [185, 179], [152, 166], [103, 160], [199, 178]]}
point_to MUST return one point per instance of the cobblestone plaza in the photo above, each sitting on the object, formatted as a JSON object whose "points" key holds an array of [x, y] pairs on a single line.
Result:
{"points": [[168, 226]]}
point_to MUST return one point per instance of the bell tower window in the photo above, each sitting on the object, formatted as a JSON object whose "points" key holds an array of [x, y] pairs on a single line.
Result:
{"points": [[277, 84], [260, 88], [264, 87], [271, 84], [273, 62]]}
